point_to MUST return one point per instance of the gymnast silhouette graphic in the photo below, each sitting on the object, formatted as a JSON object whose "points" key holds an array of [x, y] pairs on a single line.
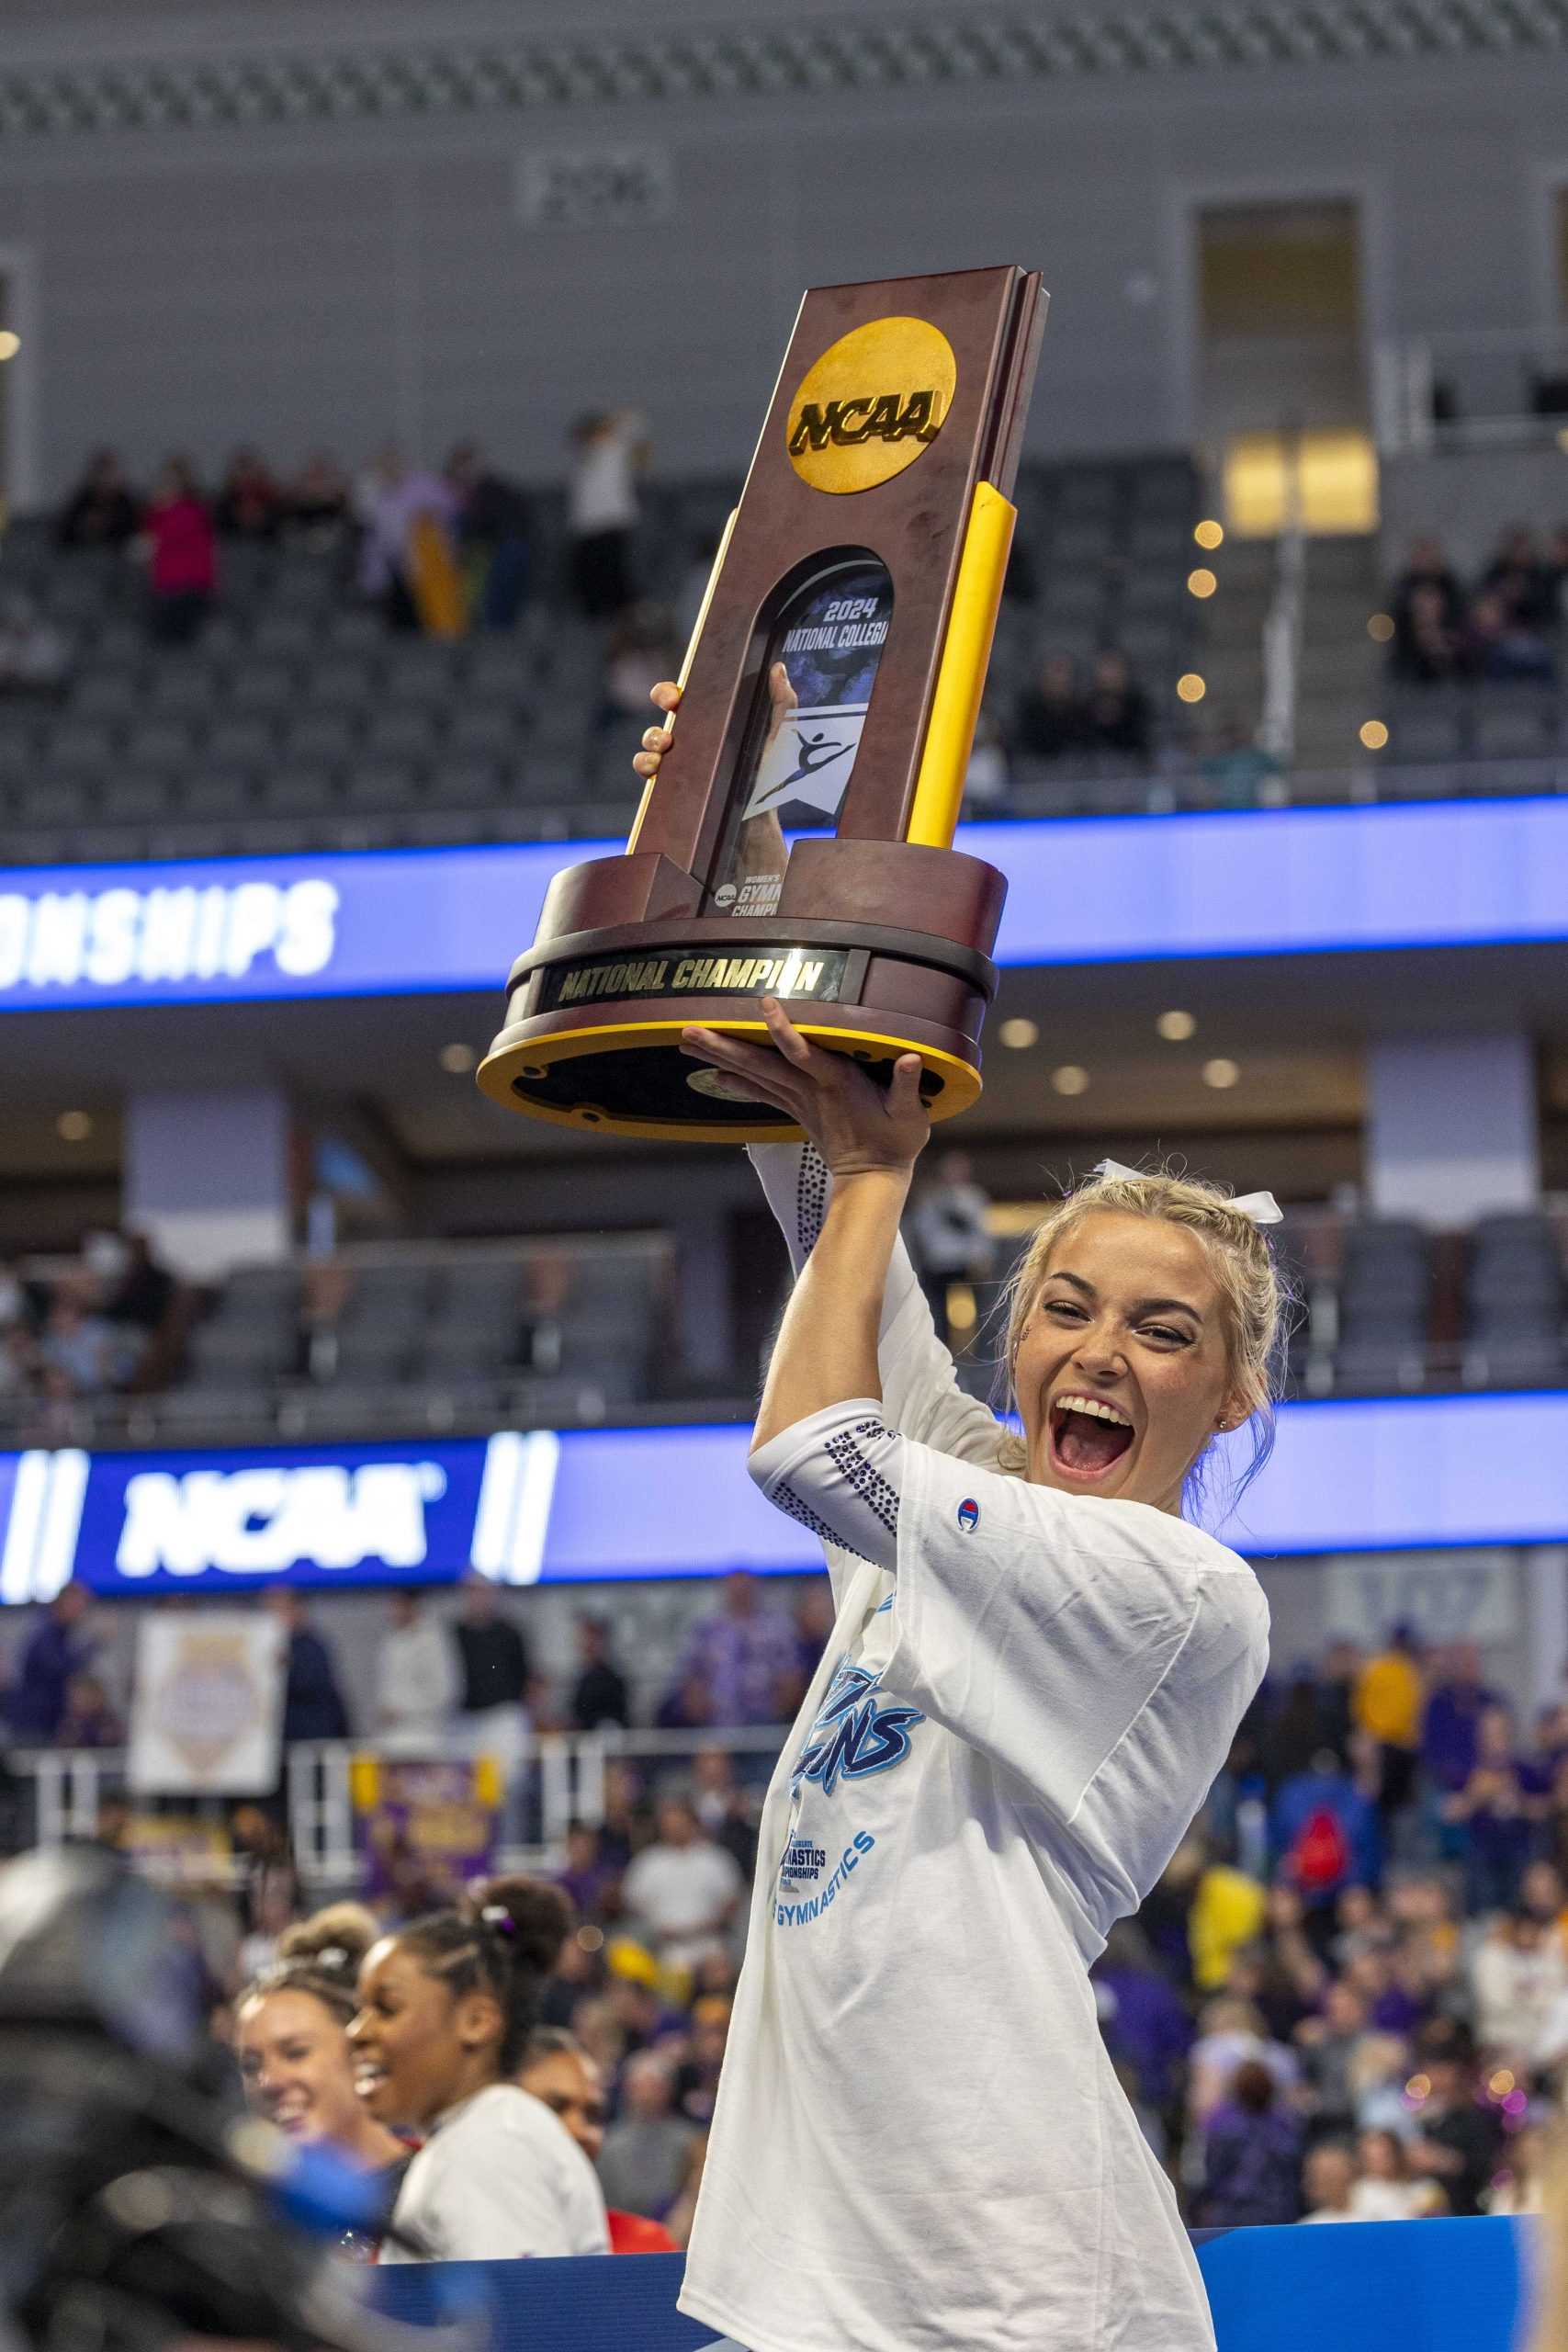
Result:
{"points": [[813, 751]]}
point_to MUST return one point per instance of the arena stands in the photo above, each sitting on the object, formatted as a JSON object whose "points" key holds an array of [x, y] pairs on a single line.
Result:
{"points": [[558, 1330]]}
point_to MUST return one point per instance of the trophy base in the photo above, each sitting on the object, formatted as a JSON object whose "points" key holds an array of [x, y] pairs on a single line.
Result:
{"points": [[619, 967], [627, 1076]]}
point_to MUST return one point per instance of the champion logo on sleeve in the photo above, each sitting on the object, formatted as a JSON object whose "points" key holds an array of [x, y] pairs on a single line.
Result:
{"points": [[968, 1514]]}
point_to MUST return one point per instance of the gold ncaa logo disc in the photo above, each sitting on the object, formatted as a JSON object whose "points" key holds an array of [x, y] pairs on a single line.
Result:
{"points": [[872, 402]]}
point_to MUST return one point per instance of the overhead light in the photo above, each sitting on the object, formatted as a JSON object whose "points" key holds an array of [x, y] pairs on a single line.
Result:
{"points": [[1202, 583], [1176, 1027], [459, 1059], [1069, 1079], [1209, 533], [1373, 733], [1190, 686], [10, 344], [1380, 626], [73, 1127], [1220, 1072], [1020, 1031]]}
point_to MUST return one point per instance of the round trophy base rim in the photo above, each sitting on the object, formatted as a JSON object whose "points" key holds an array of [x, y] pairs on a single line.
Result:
{"points": [[510, 1055]]}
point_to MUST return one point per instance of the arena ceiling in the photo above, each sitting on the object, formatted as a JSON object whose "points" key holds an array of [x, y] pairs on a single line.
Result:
{"points": [[73, 67]]}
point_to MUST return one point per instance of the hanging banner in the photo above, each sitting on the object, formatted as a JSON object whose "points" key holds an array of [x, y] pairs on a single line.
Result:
{"points": [[434, 1824], [207, 1719]]}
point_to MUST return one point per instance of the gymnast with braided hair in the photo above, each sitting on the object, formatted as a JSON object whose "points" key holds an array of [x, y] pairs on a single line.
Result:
{"points": [[447, 2005], [1038, 1663]]}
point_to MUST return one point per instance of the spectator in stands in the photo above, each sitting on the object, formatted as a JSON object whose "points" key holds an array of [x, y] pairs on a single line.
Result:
{"points": [[312, 1701], [76, 1351], [89, 1720], [646, 2153], [1456, 2139], [1142, 2018], [1324, 1832], [291, 2041], [1232, 2033], [1382, 2189], [1116, 712], [1498, 1811], [1049, 721], [1433, 649], [1236, 764], [1387, 1706], [696, 2077], [317, 507], [1518, 1976], [407, 562], [1329, 2045], [1328, 2182], [447, 2006], [557, 2069], [1451, 1718], [137, 1295], [34, 656], [599, 1694], [497, 1670], [249, 505], [182, 560], [494, 523], [608, 449], [588, 1876], [684, 1890], [1227, 1912], [1519, 2184], [1504, 648], [53, 1656], [1426, 567], [417, 1681], [726, 1812], [102, 511], [1521, 582], [743, 1656], [951, 1239], [813, 1631], [1251, 2156], [1544, 1897]]}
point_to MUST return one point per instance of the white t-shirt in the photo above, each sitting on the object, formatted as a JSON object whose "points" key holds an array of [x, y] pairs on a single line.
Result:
{"points": [[417, 1686], [499, 2176], [602, 492], [919, 2140], [680, 1891]]}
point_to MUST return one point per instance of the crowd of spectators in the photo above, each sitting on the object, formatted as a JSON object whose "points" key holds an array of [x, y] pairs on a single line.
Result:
{"points": [[1066, 714], [1347, 1999], [466, 1683], [436, 549], [1506, 625], [109, 1324]]}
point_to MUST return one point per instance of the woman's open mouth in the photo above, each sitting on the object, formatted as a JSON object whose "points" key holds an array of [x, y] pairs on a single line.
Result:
{"points": [[369, 2079], [1088, 1436]]}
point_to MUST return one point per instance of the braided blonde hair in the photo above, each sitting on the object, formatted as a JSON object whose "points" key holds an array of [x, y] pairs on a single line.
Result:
{"points": [[1254, 1292]]}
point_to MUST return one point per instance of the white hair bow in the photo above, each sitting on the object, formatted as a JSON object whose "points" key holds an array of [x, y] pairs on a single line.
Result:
{"points": [[1261, 1207]]}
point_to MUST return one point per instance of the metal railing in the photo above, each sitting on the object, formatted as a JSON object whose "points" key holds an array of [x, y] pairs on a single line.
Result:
{"points": [[1483, 389], [560, 1778]]}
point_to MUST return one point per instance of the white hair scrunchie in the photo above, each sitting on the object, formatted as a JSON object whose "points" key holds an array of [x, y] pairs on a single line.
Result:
{"points": [[1261, 1207]]}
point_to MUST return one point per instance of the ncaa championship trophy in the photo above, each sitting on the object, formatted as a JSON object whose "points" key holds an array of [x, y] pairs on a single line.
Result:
{"points": [[866, 555]]}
